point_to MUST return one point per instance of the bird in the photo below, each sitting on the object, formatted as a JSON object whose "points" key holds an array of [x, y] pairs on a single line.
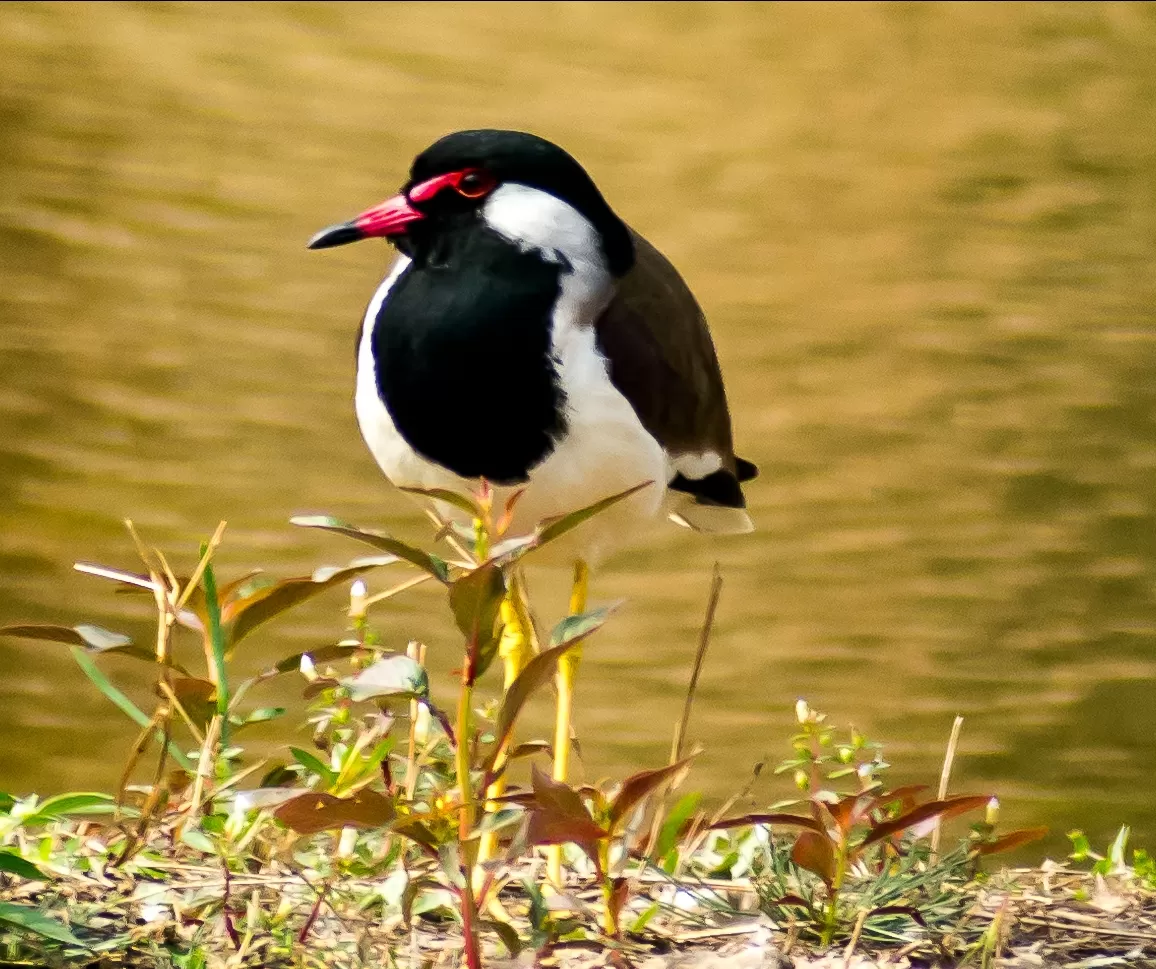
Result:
{"points": [[526, 336]]}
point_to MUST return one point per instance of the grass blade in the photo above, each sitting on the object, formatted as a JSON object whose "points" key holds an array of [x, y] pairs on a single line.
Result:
{"points": [[123, 703]]}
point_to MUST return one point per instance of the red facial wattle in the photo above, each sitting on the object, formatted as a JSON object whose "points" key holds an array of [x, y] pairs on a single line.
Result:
{"points": [[391, 217]]}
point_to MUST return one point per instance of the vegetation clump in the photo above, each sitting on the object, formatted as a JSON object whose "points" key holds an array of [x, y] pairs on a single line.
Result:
{"points": [[365, 847]]}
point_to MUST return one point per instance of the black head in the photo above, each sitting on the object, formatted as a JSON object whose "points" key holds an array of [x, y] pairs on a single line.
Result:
{"points": [[450, 181]]}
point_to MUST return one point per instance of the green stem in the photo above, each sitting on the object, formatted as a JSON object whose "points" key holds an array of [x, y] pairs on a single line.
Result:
{"points": [[610, 917], [832, 917]]}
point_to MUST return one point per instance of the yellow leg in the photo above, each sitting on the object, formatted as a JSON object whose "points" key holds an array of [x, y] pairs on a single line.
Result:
{"points": [[567, 671], [514, 649]]}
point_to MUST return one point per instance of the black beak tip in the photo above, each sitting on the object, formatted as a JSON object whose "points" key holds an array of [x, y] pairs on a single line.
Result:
{"points": [[336, 235]]}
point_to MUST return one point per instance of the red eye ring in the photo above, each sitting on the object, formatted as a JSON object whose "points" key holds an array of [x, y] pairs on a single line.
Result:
{"points": [[474, 183]]}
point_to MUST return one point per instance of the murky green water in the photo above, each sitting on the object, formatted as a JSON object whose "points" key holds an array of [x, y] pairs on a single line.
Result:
{"points": [[925, 236]]}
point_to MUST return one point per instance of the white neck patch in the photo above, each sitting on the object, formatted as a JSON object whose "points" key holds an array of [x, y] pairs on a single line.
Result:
{"points": [[537, 220]]}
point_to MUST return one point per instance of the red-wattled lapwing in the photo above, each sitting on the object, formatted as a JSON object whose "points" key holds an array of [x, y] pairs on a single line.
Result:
{"points": [[579, 361]]}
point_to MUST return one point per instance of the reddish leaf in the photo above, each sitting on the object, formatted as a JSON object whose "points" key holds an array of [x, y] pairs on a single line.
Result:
{"points": [[322, 654], [904, 795], [92, 639], [1012, 840], [536, 674], [941, 810], [558, 816], [312, 812], [619, 893], [638, 786], [475, 599], [747, 820], [198, 697], [815, 853], [417, 832], [262, 598], [850, 810]]}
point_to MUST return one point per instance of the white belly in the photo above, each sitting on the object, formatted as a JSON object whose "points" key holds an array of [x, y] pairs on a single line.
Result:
{"points": [[605, 450]]}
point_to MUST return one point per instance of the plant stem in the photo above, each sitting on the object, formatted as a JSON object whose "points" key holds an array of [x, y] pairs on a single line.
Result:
{"points": [[462, 758]]}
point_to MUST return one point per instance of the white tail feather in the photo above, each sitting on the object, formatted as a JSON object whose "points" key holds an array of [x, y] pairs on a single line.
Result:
{"points": [[714, 519]]}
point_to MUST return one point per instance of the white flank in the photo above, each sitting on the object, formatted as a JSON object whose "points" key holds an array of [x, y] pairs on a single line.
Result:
{"points": [[695, 466]]}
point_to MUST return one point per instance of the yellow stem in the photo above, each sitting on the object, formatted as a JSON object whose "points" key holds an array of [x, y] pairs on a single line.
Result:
{"points": [[514, 650], [567, 672]]}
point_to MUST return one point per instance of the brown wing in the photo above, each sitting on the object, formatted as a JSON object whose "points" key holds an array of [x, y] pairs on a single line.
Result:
{"points": [[661, 358]]}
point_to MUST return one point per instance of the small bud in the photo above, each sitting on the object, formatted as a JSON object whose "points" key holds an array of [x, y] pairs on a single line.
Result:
{"points": [[802, 781], [307, 669], [802, 711], [422, 724], [992, 815], [357, 596], [846, 754]]}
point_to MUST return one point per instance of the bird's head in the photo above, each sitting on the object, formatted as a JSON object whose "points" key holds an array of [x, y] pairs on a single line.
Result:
{"points": [[522, 186]]}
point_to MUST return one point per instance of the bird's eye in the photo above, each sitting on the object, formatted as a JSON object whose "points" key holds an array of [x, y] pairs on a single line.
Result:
{"points": [[475, 183]]}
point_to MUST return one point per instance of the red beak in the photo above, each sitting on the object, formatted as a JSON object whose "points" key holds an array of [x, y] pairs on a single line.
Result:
{"points": [[387, 219]]}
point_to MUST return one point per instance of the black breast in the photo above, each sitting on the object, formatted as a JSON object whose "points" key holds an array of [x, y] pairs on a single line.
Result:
{"points": [[462, 353]]}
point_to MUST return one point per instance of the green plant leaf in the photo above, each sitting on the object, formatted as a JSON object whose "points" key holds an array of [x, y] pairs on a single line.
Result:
{"points": [[260, 715], [216, 636], [932, 810], [67, 805], [674, 823], [417, 832], [815, 853], [574, 629], [314, 765], [32, 920], [536, 674], [395, 677], [313, 812], [379, 540], [262, 599], [462, 502], [637, 787], [102, 683], [555, 528], [506, 932], [13, 864]]}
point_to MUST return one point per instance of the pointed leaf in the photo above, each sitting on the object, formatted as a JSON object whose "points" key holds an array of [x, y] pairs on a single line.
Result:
{"points": [[815, 853], [396, 677], [573, 629], [31, 920], [260, 601], [536, 674], [379, 540], [506, 932], [462, 502], [13, 864], [638, 786], [102, 683], [310, 813], [558, 816], [476, 599], [314, 765], [291, 664], [198, 697], [909, 910], [554, 528], [747, 820], [1013, 840], [941, 810], [69, 805], [265, 797], [417, 832], [674, 824], [850, 810], [91, 638]]}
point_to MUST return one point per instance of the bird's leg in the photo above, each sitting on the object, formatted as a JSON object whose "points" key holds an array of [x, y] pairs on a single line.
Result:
{"points": [[567, 671], [514, 649]]}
